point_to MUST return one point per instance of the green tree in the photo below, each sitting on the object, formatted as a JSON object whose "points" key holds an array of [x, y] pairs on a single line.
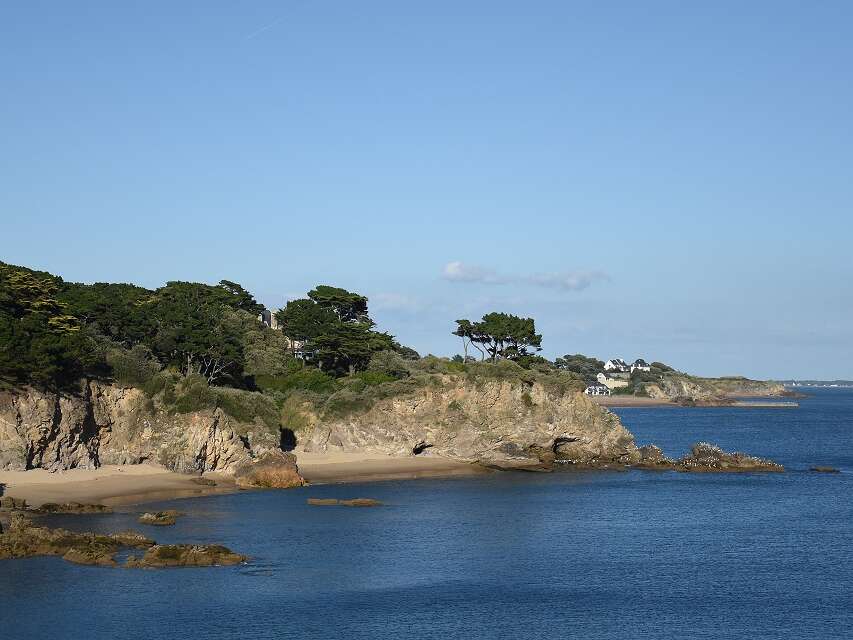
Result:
{"points": [[502, 335], [347, 306], [197, 330], [589, 368]]}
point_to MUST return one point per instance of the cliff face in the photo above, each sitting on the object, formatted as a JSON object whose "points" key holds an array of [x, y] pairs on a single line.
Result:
{"points": [[680, 386], [104, 424], [499, 423]]}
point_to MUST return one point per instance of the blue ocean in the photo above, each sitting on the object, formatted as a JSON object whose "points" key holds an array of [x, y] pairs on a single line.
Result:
{"points": [[592, 555]]}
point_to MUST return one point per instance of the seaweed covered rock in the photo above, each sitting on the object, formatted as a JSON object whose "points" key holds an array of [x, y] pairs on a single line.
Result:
{"points": [[186, 555], [273, 470], [73, 507], [24, 539]]}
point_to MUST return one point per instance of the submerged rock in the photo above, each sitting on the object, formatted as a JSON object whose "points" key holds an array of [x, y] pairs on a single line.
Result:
{"points": [[825, 470], [353, 502], [186, 555], [205, 482], [159, 518], [273, 470]]}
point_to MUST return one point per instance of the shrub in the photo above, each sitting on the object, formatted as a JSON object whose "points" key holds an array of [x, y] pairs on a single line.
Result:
{"points": [[306, 379], [194, 394], [248, 406], [388, 363], [132, 367], [374, 378]]}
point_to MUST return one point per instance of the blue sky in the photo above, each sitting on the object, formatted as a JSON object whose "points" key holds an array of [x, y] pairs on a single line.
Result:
{"points": [[668, 180]]}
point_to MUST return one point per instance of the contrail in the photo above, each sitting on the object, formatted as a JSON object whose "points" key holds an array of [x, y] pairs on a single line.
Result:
{"points": [[255, 34]]}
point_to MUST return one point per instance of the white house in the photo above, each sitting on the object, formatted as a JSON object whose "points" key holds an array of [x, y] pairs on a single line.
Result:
{"points": [[617, 364], [597, 390], [611, 383], [640, 365]]}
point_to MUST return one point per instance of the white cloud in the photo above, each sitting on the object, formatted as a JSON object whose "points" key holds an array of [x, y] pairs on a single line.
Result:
{"points": [[458, 271]]}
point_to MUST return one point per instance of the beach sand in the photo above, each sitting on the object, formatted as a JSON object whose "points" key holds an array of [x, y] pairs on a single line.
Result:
{"points": [[326, 468], [135, 484], [111, 485]]}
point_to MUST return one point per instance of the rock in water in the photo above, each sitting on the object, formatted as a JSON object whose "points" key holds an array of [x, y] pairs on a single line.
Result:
{"points": [[186, 555], [353, 502], [825, 470], [704, 458], [159, 518], [273, 470]]}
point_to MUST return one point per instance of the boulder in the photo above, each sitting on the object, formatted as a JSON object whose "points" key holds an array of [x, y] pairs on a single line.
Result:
{"points": [[273, 470], [706, 457]]}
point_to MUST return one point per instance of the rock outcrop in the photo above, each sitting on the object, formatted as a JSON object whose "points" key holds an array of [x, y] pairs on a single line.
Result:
{"points": [[186, 555], [107, 424], [352, 502], [692, 390], [705, 458], [498, 423]]}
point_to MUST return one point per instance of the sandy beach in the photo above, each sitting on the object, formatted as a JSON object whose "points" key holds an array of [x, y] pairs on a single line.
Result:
{"points": [[111, 485], [326, 468], [135, 484]]}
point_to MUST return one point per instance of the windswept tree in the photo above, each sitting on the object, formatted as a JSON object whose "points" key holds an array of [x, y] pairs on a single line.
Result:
{"points": [[501, 335]]}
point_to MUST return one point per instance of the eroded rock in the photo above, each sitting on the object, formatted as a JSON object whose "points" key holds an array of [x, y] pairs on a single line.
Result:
{"points": [[73, 508], [273, 470]]}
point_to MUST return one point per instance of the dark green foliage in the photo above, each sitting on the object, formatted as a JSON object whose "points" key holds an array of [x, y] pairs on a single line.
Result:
{"points": [[374, 378], [501, 335], [119, 312], [40, 342], [307, 379], [586, 367], [333, 329]]}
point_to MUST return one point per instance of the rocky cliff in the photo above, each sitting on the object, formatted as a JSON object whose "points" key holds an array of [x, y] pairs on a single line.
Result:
{"points": [[105, 424], [693, 388], [504, 423]]}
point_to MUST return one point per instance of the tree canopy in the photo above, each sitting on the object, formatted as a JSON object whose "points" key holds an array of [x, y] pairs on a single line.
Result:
{"points": [[500, 335]]}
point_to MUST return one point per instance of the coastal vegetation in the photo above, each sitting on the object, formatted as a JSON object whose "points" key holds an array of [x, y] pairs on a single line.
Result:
{"points": [[193, 347]]}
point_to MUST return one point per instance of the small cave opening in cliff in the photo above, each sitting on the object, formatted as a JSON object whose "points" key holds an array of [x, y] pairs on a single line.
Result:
{"points": [[420, 447], [287, 439]]}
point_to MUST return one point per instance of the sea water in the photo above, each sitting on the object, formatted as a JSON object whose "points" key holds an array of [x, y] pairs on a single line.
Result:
{"points": [[590, 555]]}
